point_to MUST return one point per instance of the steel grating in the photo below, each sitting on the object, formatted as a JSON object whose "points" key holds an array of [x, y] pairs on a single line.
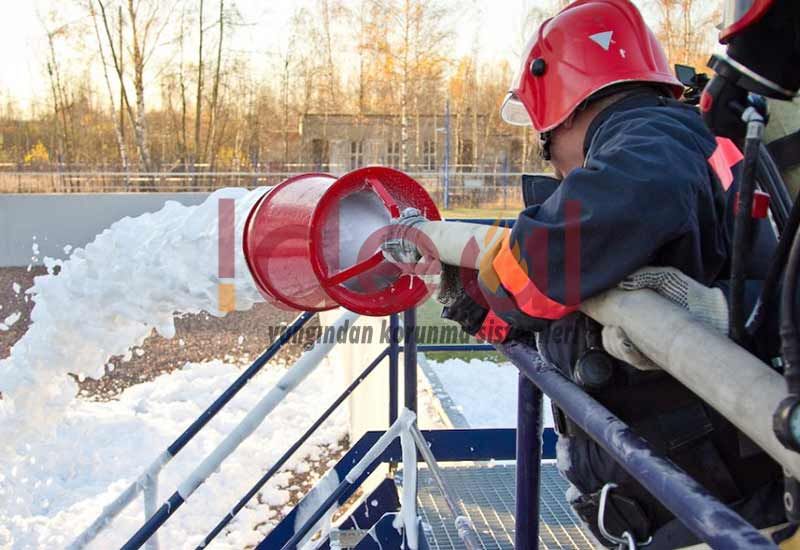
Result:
{"points": [[487, 494]]}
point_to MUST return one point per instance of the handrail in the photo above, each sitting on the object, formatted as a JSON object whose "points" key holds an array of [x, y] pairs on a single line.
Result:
{"points": [[699, 511], [295, 446], [304, 366], [148, 480]]}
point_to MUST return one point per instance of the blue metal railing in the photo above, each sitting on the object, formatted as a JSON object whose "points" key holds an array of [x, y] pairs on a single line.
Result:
{"points": [[297, 444], [708, 518], [148, 481]]}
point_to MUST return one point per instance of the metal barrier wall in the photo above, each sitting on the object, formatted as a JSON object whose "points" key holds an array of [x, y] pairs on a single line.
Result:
{"points": [[458, 189]]}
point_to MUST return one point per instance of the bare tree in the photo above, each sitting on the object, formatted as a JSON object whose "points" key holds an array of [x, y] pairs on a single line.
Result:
{"points": [[198, 107], [140, 133], [119, 129], [686, 30], [58, 92], [215, 86], [139, 35]]}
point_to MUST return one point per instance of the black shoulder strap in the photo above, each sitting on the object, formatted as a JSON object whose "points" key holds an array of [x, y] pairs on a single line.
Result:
{"points": [[786, 151]]}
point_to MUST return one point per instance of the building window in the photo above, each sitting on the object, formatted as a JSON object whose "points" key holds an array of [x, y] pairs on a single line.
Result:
{"points": [[429, 155], [356, 154], [465, 155], [393, 154], [320, 153]]}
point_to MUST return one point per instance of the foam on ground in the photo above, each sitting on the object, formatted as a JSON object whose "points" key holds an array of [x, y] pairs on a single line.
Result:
{"points": [[54, 491], [108, 297]]}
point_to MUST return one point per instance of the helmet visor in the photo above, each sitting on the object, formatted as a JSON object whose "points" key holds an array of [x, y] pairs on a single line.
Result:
{"points": [[514, 112]]}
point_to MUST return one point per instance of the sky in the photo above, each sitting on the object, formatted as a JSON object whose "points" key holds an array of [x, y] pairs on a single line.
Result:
{"points": [[23, 44]]}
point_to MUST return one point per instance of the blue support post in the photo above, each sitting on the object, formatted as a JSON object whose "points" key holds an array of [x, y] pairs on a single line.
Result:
{"points": [[529, 451], [410, 359], [700, 512], [394, 371]]}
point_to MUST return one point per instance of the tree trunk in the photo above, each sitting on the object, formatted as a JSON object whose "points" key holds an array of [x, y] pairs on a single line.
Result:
{"points": [[140, 124], [215, 91], [118, 129], [198, 108]]}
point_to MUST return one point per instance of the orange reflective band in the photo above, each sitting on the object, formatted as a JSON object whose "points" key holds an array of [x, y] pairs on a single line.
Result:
{"points": [[512, 275], [493, 329], [530, 300], [725, 156]]}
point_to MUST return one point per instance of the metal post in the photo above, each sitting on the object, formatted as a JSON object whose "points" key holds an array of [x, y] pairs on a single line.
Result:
{"points": [[505, 181], [446, 197], [150, 507], [410, 400], [410, 359], [529, 451], [394, 357]]}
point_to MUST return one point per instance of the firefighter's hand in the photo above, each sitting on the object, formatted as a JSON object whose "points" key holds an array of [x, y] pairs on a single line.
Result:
{"points": [[618, 345], [464, 310], [707, 305], [461, 295]]}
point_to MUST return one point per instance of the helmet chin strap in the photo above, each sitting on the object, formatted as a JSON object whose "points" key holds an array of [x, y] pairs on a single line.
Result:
{"points": [[545, 138]]}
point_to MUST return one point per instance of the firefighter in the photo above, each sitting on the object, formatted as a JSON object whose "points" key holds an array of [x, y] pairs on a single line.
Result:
{"points": [[749, 29], [643, 199]]}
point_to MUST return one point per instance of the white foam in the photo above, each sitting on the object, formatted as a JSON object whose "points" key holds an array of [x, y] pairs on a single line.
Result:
{"points": [[109, 296]]}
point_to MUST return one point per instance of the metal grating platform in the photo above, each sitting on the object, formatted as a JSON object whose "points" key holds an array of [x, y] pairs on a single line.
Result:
{"points": [[488, 496]]}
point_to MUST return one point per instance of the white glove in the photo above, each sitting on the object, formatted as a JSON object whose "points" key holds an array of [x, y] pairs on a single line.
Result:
{"points": [[707, 305], [618, 345]]}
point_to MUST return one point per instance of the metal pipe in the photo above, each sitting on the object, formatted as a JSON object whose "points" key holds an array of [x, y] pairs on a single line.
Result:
{"points": [[410, 359], [304, 366], [529, 456], [113, 509], [464, 527], [293, 449], [699, 511], [150, 507], [394, 371], [739, 386]]}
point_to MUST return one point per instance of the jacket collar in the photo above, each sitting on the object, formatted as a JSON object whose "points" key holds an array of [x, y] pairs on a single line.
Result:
{"points": [[646, 97]]}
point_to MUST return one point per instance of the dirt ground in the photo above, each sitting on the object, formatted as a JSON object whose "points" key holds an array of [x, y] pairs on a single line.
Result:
{"points": [[237, 337]]}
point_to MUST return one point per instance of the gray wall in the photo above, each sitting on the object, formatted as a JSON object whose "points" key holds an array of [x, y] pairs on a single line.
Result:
{"points": [[72, 219]]}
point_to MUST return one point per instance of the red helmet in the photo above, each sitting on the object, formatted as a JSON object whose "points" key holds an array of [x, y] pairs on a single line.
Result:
{"points": [[588, 46]]}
